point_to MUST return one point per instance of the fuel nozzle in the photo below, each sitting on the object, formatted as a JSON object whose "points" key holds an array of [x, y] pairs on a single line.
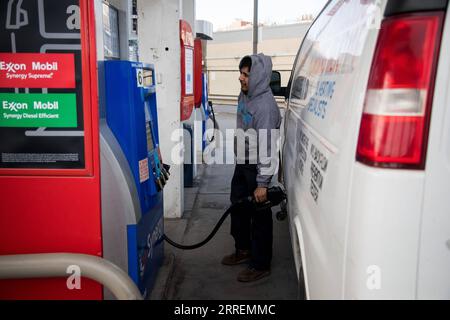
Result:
{"points": [[166, 168], [165, 171], [275, 195]]}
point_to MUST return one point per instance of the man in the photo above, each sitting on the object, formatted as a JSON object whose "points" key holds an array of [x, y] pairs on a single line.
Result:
{"points": [[257, 115]]}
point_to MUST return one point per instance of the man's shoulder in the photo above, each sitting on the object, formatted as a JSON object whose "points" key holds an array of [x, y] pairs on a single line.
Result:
{"points": [[265, 102]]}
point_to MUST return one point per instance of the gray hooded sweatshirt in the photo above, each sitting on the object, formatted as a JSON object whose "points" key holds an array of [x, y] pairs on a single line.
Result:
{"points": [[259, 111]]}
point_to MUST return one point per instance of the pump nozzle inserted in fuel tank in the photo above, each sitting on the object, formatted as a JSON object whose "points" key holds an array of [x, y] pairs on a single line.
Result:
{"points": [[275, 195]]}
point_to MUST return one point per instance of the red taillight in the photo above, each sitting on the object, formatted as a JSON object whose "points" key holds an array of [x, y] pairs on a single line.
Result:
{"points": [[397, 107]]}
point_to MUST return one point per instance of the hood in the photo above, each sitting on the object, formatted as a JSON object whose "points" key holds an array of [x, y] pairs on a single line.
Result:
{"points": [[260, 74]]}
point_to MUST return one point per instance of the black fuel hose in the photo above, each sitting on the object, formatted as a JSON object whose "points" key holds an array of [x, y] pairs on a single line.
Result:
{"points": [[202, 243], [275, 196]]}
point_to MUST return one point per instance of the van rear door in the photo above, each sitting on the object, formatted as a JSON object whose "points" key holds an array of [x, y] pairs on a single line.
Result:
{"points": [[434, 251]]}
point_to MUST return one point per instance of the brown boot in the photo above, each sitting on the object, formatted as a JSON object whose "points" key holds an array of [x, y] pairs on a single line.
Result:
{"points": [[240, 256], [251, 274]]}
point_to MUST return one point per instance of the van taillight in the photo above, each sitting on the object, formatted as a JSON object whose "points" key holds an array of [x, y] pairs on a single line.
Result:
{"points": [[397, 106]]}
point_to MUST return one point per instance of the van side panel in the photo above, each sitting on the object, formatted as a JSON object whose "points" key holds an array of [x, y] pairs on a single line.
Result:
{"points": [[328, 86]]}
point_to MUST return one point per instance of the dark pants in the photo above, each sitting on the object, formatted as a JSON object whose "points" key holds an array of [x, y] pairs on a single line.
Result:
{"points": [[251, 229]]}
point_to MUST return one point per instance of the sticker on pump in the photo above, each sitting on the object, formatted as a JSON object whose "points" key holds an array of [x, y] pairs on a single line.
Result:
{"points": [[143, 170], [140, 78], [37, 70], [189, 70]]}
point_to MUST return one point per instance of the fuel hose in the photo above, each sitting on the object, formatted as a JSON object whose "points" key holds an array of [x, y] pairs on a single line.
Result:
{"points": [[275, 195]]}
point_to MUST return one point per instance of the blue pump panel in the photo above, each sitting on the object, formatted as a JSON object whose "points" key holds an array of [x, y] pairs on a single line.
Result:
{"points": [[129, 118], [131, 114]]}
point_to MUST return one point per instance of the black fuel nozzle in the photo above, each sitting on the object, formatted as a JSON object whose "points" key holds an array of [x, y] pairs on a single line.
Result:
{"points": [[165, 173], [275, 195], [166, 168]]}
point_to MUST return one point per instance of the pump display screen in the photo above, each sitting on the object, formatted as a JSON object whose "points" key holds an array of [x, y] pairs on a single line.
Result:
{"points": [[148, 78], [41, 98]]}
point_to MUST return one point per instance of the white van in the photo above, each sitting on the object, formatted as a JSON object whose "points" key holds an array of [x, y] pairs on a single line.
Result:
{"points": [[366, 151]]}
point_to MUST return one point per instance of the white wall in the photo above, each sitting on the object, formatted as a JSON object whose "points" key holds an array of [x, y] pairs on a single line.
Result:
{"points": [[188, 14], [98, 9], [158, 36]]}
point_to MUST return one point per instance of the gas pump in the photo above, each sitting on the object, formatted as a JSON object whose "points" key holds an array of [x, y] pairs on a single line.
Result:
{"points": [[198, 87], [49, 154], [133, 174], [201, 92], [208, 111], [187, 100], [187, 70], [73, 179]]}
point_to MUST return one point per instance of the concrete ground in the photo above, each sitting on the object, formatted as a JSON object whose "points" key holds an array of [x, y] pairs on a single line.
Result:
{"points": [[198, 274]]}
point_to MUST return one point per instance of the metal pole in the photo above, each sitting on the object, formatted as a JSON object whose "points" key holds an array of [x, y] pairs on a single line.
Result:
{"points": [[51, 265], [255, 26]]}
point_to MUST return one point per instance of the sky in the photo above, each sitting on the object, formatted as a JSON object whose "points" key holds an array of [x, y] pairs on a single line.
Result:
{"points": [[222, 12]]}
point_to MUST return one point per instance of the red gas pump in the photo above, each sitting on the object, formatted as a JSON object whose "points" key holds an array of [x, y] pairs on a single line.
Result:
{"points": [[49, 145], [198, 87], [187, 70]]}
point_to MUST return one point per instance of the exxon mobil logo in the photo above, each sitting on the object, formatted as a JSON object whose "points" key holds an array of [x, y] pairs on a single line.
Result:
{"points": [[14, 106], [12, 67]]}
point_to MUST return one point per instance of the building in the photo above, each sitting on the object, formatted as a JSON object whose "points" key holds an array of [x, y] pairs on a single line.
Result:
{"points": [[224, 52]]}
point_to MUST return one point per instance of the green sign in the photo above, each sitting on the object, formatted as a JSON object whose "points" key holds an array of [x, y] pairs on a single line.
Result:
{"points": [[38, 110]]}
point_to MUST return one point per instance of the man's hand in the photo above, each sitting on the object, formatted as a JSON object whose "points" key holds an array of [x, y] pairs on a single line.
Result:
{"points": [[260, 194]]}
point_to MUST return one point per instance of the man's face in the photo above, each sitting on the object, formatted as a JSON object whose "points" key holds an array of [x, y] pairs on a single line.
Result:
{"points": [[243, 79]]}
